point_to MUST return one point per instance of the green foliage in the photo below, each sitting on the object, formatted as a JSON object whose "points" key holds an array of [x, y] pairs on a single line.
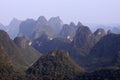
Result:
{"points": [[11, 49], [8, 71], [21, 57], [103, 74], [54, 66]]}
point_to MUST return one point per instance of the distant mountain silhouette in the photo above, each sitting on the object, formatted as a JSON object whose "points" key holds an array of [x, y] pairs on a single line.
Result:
{"points": [[13, 28], [2, 27], [56, 23], [43, 26], [116, 30], [68, 31], [27, 27], [44, 44], [34, 29]]}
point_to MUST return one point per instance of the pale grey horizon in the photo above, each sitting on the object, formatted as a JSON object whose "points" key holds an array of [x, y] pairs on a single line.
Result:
{"points": [[85, 11]]}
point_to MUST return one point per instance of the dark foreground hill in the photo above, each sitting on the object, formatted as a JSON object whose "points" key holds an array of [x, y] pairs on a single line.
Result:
{"points": [[106, 53], [56, 65], [103, 74], [19, 57], [8, 71]]}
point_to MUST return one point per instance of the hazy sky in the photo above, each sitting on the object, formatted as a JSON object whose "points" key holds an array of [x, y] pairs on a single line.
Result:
{"points": [[86, 11]]}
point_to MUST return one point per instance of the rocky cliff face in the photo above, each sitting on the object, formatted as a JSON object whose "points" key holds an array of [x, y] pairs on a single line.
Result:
{"points": [[99, 33], [83, 37]]}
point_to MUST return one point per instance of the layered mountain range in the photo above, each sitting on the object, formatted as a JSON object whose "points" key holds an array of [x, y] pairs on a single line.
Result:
{"points": [[51, 50], [12, 28], [33, 29], [19, 27]]}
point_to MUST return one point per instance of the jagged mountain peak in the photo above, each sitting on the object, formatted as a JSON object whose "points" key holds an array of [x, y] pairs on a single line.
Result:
{"points": [[13, 28], [79, 24], [83, 30], [66, 30], [56, 23], [83, 37], [27, 27], [55, 19], [14, 22], [42, 20], [72, 24], [99, 31]]}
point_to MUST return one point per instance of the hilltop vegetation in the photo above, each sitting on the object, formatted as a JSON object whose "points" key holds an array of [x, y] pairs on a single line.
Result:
{"points": [[8, 71], [56, 65]]}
